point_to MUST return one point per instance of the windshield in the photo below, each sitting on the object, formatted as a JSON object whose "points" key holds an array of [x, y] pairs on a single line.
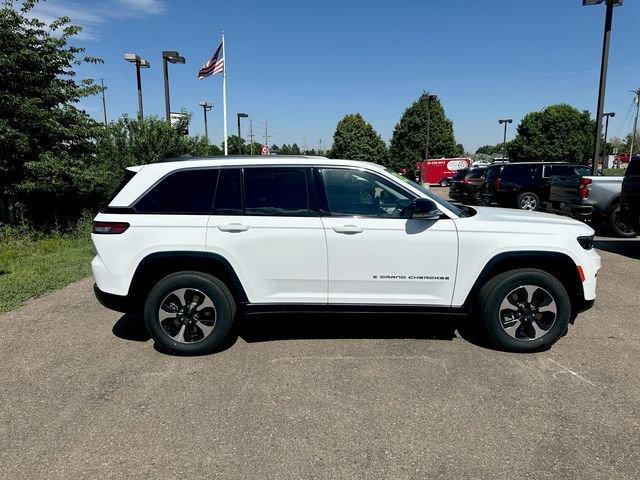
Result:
{"points": [[451, 207]]}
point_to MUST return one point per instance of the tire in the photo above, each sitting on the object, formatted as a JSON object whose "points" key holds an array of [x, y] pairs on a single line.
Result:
{"points": [[532, 331], [479, 200], [185, 329], [444, 182], [617, 226], [528, 201]]}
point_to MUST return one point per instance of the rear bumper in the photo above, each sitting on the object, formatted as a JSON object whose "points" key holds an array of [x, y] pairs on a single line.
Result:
{"points": [[119, 303], [584, 213]]}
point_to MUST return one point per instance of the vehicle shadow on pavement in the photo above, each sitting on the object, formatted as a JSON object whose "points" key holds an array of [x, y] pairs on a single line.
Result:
{"points": [[131, 327], [627, 248], [276, 327], [264, 328]]}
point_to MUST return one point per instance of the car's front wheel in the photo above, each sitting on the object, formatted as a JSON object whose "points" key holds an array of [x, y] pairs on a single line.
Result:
{"points": [[525, 310], [189, 313]]}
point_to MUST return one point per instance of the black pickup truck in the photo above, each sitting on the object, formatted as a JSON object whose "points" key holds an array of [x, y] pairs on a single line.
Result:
{"points": [[630, 195]]}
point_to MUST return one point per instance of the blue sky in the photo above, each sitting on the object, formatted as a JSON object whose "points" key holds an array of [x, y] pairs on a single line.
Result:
{"points": [[301, 66]]}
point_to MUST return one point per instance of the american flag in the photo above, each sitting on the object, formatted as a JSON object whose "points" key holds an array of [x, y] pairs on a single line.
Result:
{"points": [[214, 65]]}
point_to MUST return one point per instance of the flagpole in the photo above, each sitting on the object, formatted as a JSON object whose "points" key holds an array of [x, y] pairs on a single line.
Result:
{"points": [[224, 96]]}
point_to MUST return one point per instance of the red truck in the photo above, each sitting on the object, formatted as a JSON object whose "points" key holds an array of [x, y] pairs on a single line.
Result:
{"points": [[439, 171]]}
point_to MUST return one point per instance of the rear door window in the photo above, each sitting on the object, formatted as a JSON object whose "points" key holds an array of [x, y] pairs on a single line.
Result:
{"points": [[563, 170], [276, 191], [188, 192], [229, 192], [517, 173]]}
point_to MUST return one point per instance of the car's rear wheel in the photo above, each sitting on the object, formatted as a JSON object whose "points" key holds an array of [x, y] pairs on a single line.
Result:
{"points": [[189, 313], [618, 226], [525, 310], [528, 201]]}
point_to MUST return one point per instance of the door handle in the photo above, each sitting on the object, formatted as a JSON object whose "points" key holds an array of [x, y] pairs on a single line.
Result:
{"points": [[233, 227], [348, 229]]}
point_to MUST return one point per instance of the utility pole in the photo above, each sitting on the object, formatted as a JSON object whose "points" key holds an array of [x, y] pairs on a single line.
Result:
{"points": [[104, 103], [635, 122], [266, 134], [251, 134], [320, 147]]}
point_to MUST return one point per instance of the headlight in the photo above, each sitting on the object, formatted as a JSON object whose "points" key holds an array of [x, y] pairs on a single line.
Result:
{"points": [[586, 242]]}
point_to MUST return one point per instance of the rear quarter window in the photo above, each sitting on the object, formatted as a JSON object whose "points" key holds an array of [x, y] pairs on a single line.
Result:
{"points": [[182, 192], [126, 178]]}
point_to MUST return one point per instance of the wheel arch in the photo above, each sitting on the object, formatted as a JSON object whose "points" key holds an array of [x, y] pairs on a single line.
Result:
{"points": [[158, 265], [613, 201], [558, 264]]}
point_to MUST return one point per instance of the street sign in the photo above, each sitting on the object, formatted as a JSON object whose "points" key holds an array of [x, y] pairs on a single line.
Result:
{"points": [[180, 117], [265, 150]]}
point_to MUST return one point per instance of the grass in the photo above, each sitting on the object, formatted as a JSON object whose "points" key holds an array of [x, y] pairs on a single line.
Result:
{"points": [[614, 172], [31, 264]]}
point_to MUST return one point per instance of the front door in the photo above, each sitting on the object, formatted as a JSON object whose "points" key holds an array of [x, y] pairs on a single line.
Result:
{"points": [[375, 255]]}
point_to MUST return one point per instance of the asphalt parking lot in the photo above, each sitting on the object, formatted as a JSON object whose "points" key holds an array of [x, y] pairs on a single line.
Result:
{"points": [[84, 394]]}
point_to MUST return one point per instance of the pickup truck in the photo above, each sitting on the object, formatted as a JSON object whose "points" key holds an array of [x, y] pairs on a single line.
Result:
{"points": [[592, 199], [630, 196]]}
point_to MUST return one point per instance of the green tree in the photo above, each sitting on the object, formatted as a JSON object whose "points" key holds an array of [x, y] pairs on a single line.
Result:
{"points": [[557, 133], [355, 139], [410, 134], [490, 149], [233, 144], [45, 140], [128, 142]]}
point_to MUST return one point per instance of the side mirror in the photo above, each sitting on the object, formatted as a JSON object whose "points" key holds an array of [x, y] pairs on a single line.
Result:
{"points": [[425, 209]]}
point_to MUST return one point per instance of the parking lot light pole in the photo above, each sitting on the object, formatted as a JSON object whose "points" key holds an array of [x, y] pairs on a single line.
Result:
{"points": [[606, 130], [169, 56], [603, 72], [505, 121], [140, 63], [206, 107], [240, 115]]}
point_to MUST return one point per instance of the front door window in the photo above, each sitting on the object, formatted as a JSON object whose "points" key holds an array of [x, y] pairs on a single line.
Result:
{"points": [[352, 192]]}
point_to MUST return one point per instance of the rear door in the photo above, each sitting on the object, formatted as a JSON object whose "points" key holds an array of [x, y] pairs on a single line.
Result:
{"points": [[264, 225], [375, 255]]}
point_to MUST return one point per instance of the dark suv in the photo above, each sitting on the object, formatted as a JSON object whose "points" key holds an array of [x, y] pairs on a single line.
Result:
{"points": [[466, 185], [524, 185], [630, 196]]}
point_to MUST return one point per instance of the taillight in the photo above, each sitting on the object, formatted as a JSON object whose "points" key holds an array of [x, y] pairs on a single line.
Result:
{"points": [[583, 191], [109, 227], [466, 181], [497, 183]]}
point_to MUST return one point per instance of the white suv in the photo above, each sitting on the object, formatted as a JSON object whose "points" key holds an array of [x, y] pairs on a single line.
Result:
{"points": [[192, 243]]}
